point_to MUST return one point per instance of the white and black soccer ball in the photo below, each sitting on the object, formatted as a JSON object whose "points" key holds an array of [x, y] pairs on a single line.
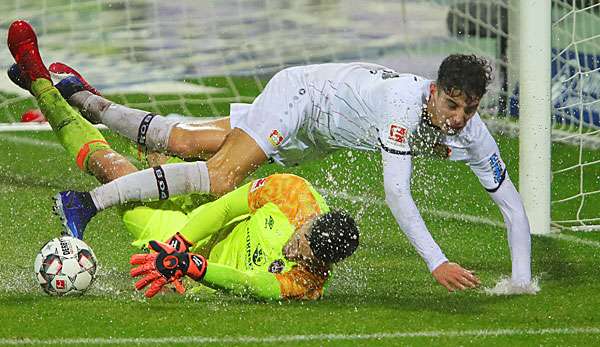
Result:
{"points": [[65, 265]]}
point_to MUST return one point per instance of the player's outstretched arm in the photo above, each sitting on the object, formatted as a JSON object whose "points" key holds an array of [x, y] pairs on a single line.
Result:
{"points": [[167, 265], [212, 217], [486, 163], [397, 170], [298, 283], [258, 284], [510, 204]]}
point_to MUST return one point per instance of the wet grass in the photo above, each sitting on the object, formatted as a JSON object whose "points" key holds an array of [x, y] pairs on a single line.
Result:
{"points": [[383, 288]]}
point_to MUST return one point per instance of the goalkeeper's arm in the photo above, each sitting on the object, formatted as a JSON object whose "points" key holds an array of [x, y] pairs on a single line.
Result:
{"points": [[259, 284], [168, 265], [297, 283], [210, 218]]}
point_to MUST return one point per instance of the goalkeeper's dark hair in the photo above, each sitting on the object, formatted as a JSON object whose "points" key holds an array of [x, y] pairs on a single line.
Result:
{"points": [[333, 236], [466, 73]]}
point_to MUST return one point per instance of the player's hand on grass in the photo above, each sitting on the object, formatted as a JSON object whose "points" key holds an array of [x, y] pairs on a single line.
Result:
{"points": [[165, 265], [455, 277]]}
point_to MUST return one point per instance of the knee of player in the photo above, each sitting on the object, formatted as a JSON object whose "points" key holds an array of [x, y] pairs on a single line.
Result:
{"points": [[178, 143], [222, 182], [221, 187]]}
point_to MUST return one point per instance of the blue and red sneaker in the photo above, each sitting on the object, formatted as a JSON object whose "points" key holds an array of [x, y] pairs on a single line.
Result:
{"points": [[70, 82], [59, 68], [75, 210]]}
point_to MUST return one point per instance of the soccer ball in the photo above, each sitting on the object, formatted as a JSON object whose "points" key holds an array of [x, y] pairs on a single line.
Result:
{"points": [[65, 265]]}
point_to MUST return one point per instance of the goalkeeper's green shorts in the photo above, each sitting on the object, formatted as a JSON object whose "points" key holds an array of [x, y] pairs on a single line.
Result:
{"points": [[161, 219]]}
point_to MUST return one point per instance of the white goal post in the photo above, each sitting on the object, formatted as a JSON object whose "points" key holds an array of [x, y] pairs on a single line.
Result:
{"points": [[535, 110]]}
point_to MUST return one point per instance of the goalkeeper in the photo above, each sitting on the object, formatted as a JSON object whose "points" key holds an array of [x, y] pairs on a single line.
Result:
{"points": [[273, 238]]}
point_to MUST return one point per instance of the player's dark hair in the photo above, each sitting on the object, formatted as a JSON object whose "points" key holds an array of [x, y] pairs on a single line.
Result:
{"points": [[333, 236], [465, 73]]}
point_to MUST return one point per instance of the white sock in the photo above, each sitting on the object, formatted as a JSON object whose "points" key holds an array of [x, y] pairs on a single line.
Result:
{"points": [[90, 105], [160, 182], [146, 129]]}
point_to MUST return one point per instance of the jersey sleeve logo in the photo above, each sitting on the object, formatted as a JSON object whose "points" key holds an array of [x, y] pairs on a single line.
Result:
{"points": [[397, 133], [496, 168], [275, 138], [257, 184]]}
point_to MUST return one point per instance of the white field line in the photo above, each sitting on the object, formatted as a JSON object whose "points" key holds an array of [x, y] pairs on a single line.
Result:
{"points": [[33, 126], [572, 238], [43, 144], [437, 213], [457, 216], [300, 338], [44, 126], [352, 198]]}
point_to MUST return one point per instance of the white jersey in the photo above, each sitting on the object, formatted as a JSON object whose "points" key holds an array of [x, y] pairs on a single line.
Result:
{"points": [[309, 110], [352, 105], [317, 108], [369, 107]]}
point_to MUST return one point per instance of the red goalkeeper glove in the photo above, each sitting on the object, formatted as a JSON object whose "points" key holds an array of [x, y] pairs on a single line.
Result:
{"points": [[180, 243], [165, 266]]}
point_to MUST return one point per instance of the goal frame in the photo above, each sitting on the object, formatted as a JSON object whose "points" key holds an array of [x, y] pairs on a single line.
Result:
{"points": [[535, 124]]}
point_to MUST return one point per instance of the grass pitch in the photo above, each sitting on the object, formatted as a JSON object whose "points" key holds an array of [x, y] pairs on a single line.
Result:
{"points": [[383, 295]]}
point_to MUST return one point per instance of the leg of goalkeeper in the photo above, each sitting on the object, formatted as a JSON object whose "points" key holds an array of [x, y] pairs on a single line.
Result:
{"points": [[154, 132]]}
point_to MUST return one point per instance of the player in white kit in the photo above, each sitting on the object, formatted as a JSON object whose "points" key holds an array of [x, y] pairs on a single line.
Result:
{"points": [[310, 110]]}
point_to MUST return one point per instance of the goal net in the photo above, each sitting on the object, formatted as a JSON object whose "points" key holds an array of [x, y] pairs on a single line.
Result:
{"points": [[194, 57], [576, 113]]}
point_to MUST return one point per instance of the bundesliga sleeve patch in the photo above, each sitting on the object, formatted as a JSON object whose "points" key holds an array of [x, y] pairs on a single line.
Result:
{"points": [[397, 133], [394, 139], [496, 168], [275, 138]]}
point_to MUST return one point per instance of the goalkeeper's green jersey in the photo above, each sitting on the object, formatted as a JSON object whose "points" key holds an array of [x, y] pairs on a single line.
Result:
{"points": [[256, 242], [242, 234]]}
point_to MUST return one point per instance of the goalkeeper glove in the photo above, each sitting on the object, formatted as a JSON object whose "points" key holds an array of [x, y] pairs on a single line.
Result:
{"points": [[164, 266], [180, 243]]}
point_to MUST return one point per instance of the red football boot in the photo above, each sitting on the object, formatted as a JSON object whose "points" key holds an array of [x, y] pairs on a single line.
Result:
{"points": [[22, 43], [62, 68]]}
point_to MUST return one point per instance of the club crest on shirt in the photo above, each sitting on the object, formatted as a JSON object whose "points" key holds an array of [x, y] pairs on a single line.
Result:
{"points": [[275, 138], [276, 266], [257, 184], [397, 133]]}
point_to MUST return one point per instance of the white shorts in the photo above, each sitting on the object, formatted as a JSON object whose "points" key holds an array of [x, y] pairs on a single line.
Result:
{"points": [[275, 117]]}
